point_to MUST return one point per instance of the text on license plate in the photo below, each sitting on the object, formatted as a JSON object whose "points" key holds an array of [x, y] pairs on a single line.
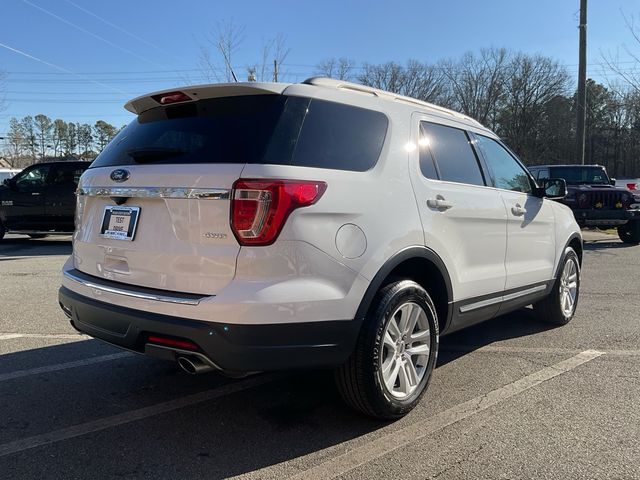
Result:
{"points": [[119, 223]]}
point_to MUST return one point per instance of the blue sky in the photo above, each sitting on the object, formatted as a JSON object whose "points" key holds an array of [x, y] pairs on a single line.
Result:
{"points": [[123, 48]]}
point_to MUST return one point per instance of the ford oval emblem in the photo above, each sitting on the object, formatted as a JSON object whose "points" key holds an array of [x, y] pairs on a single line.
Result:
{"points": [[120, 175]]}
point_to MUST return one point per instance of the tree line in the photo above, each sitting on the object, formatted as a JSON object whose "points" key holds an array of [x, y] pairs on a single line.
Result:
{"points": [[32, 139], [529, 100]]}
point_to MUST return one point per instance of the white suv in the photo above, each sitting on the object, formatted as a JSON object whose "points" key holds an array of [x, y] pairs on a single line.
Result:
{"points": [[251, 226]]}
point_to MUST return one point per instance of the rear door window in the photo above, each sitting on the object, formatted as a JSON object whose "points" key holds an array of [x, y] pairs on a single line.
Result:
{"points": [[452, 156], [275, 129], [68, 175]]}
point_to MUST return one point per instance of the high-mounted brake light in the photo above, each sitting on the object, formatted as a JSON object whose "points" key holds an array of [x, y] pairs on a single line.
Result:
{"points": [[171, 97], [260, 208]]}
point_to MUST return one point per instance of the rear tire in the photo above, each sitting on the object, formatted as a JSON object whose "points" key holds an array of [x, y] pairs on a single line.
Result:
{"points": [[395, 354], [630, 232], [36, 236], [560, 305]]}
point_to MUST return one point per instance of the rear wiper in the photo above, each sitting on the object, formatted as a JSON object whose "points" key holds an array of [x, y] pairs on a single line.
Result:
{"points": [[148, 154]]}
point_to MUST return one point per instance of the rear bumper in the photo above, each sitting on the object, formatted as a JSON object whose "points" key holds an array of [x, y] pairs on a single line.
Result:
{"points": [[237, 348]]}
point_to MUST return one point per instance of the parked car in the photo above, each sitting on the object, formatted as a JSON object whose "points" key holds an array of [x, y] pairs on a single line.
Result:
{"points": [[40, 200], [253, 226], [595, 199], [7, 173]]}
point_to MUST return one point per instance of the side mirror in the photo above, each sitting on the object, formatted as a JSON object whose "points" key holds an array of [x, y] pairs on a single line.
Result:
{"points": [[612, 181], [10, 182], [554, 188]]}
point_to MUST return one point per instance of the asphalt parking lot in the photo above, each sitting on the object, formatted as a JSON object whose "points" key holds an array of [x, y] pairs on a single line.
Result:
{"points": [[510, 398]]}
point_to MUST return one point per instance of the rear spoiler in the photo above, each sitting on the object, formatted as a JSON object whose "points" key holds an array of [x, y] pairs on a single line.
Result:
{"points": [[198, 92]]}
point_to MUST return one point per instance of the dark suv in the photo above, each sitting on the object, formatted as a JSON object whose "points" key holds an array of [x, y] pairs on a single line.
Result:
{"points": [[40, 200], [595, 200]]}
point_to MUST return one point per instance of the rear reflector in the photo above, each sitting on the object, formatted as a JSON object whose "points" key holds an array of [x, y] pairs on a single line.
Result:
{"points": [[172, 342], [171, 97], [260, 208]]}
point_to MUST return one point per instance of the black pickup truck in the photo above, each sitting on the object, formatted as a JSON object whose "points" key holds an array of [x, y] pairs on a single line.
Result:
{"points": [[40, 200], [595, 200]]}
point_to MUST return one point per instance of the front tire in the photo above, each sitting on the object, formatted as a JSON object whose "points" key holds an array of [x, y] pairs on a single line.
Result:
{"points": [[2, 231], [630, 232], [560, 306], [395, 355]]}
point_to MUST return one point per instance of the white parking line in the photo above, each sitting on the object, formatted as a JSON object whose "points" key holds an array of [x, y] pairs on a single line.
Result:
{"points": [[131, 416], [341, 464], [541, 350], [62, 366], [52, 336]]}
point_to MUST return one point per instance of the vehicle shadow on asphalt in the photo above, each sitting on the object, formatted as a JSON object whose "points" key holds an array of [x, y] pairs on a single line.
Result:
{"points": [[606, 245], [11, 248], [520, 323], [284, 419], [295, 414]]}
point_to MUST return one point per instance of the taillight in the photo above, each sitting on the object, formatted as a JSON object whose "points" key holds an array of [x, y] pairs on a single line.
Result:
{"points": [[171, 97], [632, 186], [260, 208]]}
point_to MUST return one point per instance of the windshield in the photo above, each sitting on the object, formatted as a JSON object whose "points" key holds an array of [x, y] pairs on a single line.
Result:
{"points": [[581, 175]]}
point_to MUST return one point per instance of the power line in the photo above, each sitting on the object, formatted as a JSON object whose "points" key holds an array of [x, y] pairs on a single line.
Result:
{"points": [[90, 33], [62, 69], [117, 27]]}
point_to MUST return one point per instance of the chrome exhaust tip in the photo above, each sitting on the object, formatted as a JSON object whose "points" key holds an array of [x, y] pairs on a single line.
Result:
{"points": [[193, 365]]}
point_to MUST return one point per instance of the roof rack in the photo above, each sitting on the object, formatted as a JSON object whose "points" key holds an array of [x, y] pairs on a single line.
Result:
{"points": [[344, 85]]}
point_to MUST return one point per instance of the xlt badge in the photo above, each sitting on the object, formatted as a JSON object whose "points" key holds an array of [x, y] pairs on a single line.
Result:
{"points": [[218, 236]]}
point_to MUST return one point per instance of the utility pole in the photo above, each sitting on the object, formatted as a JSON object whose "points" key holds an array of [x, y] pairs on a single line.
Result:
{"points": [[275, 70], [582, 84]]}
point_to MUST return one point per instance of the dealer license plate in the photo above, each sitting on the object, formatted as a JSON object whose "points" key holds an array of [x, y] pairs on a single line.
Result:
{"points": [[120, 223]]}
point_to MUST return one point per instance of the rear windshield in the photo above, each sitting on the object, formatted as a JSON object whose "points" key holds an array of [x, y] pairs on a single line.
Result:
{"points": [[274, 129], [581, 175]]}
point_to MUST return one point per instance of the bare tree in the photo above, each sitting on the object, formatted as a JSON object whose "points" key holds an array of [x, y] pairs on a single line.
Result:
{"points": [[43, 127], [338, 68], [16, 141], [85, 140], [70, 142], [530, 83], [476, 83], [103, 133], [58, 134], [628, 71], [225, 40], [30, 139], [417, 80]]}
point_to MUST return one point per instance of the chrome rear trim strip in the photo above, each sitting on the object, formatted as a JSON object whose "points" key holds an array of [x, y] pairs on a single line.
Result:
{"points": [[156, 192], [501, 298], [130, 293]]}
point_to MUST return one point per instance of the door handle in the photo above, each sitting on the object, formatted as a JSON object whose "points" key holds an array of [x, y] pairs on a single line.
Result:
{"points": [[439, 203], [517, 210], [35, 193]]}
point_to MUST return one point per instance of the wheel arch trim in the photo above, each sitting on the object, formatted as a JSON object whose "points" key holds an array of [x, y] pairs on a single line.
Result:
{"points": [[408, 253]]}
